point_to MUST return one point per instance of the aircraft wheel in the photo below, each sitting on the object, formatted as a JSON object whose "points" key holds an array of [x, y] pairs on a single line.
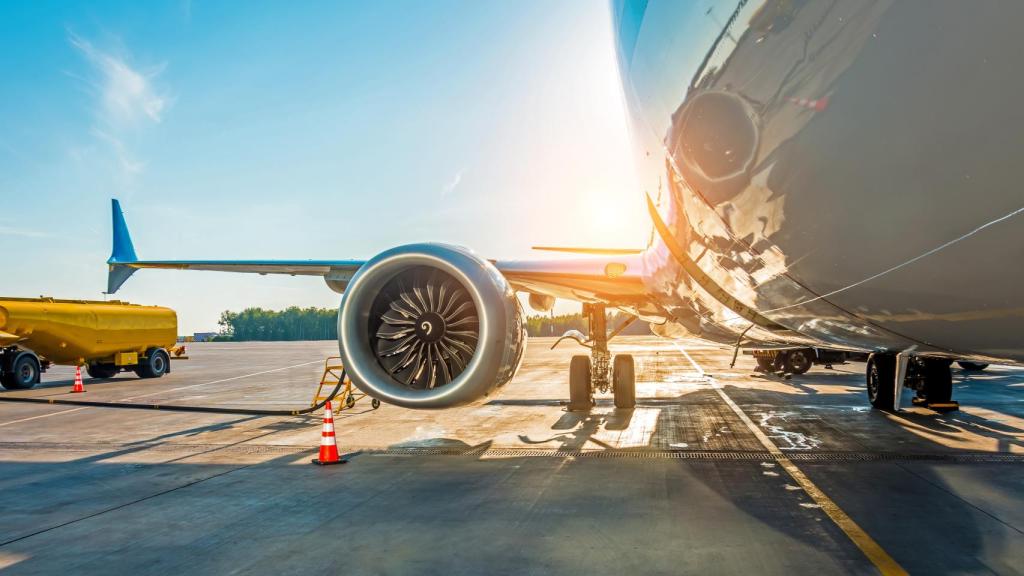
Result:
{"points": [[938, 381], [624, 381], [972, 366], [374, 403], [798, 361], [881, 379], [580, 397]]}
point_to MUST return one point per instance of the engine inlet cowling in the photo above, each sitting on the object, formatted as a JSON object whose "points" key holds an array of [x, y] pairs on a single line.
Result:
{"points": [[430, 326]]}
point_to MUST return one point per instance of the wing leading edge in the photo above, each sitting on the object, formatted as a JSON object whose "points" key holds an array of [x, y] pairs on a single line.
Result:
{"points": [[612, 278]]}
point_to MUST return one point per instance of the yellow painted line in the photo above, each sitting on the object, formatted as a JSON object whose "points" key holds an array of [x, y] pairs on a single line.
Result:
{"points": [[874, 552]]}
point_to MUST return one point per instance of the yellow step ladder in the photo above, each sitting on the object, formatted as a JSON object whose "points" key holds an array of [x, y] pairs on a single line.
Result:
{"points": [[347, 396]]}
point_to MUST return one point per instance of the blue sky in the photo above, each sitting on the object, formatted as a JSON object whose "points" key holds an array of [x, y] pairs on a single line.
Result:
{"points": [[302, 130]]}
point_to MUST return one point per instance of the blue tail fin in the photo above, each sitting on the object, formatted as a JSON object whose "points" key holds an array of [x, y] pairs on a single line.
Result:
{"points": [[123, 252]]}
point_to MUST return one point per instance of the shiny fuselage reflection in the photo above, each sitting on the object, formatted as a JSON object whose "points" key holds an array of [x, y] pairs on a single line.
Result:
{"points": [[848, 170]]}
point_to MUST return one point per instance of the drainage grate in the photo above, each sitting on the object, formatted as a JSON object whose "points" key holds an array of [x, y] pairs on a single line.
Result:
{"points": [[701, 455], [642, 454]]}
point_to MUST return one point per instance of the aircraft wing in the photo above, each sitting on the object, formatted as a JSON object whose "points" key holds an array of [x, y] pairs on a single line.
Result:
{"points": [[609, 276], [123, 262], [612, 279]]}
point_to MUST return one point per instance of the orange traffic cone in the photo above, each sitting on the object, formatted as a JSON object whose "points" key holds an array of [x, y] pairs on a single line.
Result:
{"points": [[78, 380], [328, 443]]}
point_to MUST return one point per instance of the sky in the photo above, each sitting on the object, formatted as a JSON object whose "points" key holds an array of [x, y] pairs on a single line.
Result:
{"points": [[331, 130]]}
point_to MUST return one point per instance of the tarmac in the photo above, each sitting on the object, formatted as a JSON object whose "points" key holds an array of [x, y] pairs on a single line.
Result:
{"points": [[716, 471]]}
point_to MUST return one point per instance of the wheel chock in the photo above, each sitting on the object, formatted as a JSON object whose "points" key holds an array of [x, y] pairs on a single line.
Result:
{"points": [[937, 406]]}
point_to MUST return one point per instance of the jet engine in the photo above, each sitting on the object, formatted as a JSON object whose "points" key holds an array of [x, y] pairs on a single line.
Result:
{"points": [[430, 326]]}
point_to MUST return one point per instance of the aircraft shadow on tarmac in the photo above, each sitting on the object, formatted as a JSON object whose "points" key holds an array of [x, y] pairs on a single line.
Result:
{"points": [[824, 396], [582, 427]]}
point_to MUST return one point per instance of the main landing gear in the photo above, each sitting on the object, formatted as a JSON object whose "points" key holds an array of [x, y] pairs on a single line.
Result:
{"points": [[600, 370], [931, 378]]}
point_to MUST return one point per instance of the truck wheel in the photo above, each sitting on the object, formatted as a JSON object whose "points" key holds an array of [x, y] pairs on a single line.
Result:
{"points": [[101, 370], [579, 383], [154, 365], [24, 373], [881, 377], [798, 361], [765, 364], [624, 381]]}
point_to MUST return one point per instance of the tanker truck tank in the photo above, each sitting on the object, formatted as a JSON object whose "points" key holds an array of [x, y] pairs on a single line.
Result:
{"points": [[105, 337]]}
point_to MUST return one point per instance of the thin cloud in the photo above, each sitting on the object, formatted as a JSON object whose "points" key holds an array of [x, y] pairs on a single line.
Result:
{"points": [[127, 94], [21, 232], [128, 100], [127, 162], [453, 184]]}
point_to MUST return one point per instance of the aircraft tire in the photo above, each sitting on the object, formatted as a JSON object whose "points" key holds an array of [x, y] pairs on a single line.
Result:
{"points": [[624, 381], [580, 397], [881, 380], [938, 381]]}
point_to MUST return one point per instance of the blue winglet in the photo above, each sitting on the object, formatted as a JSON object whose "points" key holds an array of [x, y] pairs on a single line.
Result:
{"points": [[122, 253]]}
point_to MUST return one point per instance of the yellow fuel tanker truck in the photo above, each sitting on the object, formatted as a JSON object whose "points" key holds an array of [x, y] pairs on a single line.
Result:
{"points": [[105, 337]]}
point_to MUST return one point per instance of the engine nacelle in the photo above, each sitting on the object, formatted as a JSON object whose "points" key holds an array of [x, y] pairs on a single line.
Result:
{"points": [[430, 326]]}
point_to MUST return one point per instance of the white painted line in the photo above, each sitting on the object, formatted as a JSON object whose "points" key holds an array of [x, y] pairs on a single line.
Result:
{"points": [[43, 416], [219, 381], [875, 553], [696, 367], [161, 392]]}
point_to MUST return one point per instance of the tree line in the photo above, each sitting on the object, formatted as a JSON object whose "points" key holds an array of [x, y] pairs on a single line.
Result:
{"points": [[552, 325], [292, 323], [312, 323]]}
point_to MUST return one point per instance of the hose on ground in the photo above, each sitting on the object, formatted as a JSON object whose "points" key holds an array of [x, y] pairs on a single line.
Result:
{"points": [[180, 408]]}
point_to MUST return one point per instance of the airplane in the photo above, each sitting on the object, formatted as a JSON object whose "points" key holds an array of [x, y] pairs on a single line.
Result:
{"points": [[840, 176]]}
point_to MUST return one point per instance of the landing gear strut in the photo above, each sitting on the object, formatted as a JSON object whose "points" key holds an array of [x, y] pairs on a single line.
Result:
{"points": [[931, 378], [599, 371]]}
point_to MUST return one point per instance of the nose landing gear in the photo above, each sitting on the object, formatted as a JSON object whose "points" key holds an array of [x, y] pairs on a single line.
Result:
{"points": [[599, 371]]}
